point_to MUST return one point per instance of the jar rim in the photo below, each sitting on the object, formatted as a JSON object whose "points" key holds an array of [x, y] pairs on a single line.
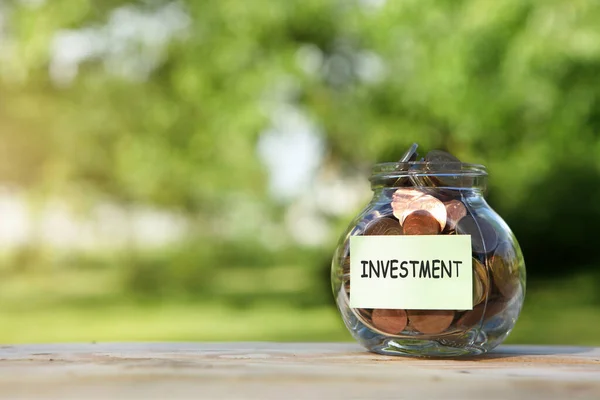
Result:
{"points": [[452, 175], [428, 168]]}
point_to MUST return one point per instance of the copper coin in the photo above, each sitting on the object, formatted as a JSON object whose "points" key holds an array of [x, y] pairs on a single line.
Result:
{"points": [[421, 222], [389, 321], [366, 313], [494, 307], [484, 238], [472, 317], [481, 313], [430, 204], [505, 269], [455, 211], [346, 265], [381, 211], [383, 226], [481, 282], [430, 322], [401, 199]]}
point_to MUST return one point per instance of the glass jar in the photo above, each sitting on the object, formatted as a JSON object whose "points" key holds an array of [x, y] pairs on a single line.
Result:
{"points": [[424, 220]]}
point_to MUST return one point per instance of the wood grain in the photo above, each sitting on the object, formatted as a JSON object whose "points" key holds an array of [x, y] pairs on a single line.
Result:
{"points": [[291, 370]]}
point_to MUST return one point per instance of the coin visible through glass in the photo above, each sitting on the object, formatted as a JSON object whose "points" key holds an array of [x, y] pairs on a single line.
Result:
{"points": [[504, 266], [366, 313], [484, 238], [426, 203], [455, 211], [346, 265], [481, 313], [389, 321], [430, 321], [421, 222], [441, 161], [383, 226], [408, 156], [402, 198], [481, 282]]}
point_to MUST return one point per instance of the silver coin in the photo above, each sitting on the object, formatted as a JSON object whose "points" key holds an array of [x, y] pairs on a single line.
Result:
{"points": [[410, 154], [439, 161]]}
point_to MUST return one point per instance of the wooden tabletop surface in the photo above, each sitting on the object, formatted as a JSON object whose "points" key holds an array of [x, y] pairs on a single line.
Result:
{"points": [[290, 371]]}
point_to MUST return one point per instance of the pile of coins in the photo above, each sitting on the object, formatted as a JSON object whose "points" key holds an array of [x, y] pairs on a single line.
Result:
{"points": [[429, 201]]}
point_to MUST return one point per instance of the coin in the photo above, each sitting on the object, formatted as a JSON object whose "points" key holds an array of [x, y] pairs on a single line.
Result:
{"points": [[343, 274], [443, 159], [484, 238], [472, 317], [408, 156], [430, 321], [376, 212], [389, 321], [505, 269], [480, 313], [401, 200], [421, 222], [481, 282], [455, 211], [427, 203], [444, 194], [494, 307], [366, 313], [346, 265], [419, 177], [383, 226], [432, 179]]}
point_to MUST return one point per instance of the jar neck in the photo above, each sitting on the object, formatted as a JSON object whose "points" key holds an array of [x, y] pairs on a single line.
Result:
{"points": [[467, 178], [385, 195]]}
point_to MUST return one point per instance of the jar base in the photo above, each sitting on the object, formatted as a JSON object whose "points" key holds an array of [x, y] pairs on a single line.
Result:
{"points": [[423, 348]]}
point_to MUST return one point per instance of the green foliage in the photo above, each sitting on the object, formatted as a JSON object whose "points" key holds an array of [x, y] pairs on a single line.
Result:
{"points": [[174, 124]]}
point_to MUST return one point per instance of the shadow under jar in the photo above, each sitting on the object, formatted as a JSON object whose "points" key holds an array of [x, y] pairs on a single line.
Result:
{"points": [[410, 297]]}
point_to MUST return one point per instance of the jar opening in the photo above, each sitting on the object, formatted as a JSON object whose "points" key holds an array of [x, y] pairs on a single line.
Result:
{"points": [[454, 175]]}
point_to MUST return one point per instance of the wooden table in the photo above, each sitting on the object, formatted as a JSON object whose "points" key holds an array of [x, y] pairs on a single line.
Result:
{"points": [[290, 371]]}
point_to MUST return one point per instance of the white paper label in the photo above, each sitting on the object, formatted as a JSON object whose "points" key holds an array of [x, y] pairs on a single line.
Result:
{"points": [[411, 272]]}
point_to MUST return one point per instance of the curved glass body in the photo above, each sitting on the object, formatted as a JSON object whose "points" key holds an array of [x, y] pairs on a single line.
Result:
{"points": [[498, 266]]}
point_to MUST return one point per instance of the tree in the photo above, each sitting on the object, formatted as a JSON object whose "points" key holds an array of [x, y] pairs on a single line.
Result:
{"points": [[168, 103]]}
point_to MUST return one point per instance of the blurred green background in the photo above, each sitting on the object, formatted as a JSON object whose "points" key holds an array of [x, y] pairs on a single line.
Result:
{"points": [[181, 170]]}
